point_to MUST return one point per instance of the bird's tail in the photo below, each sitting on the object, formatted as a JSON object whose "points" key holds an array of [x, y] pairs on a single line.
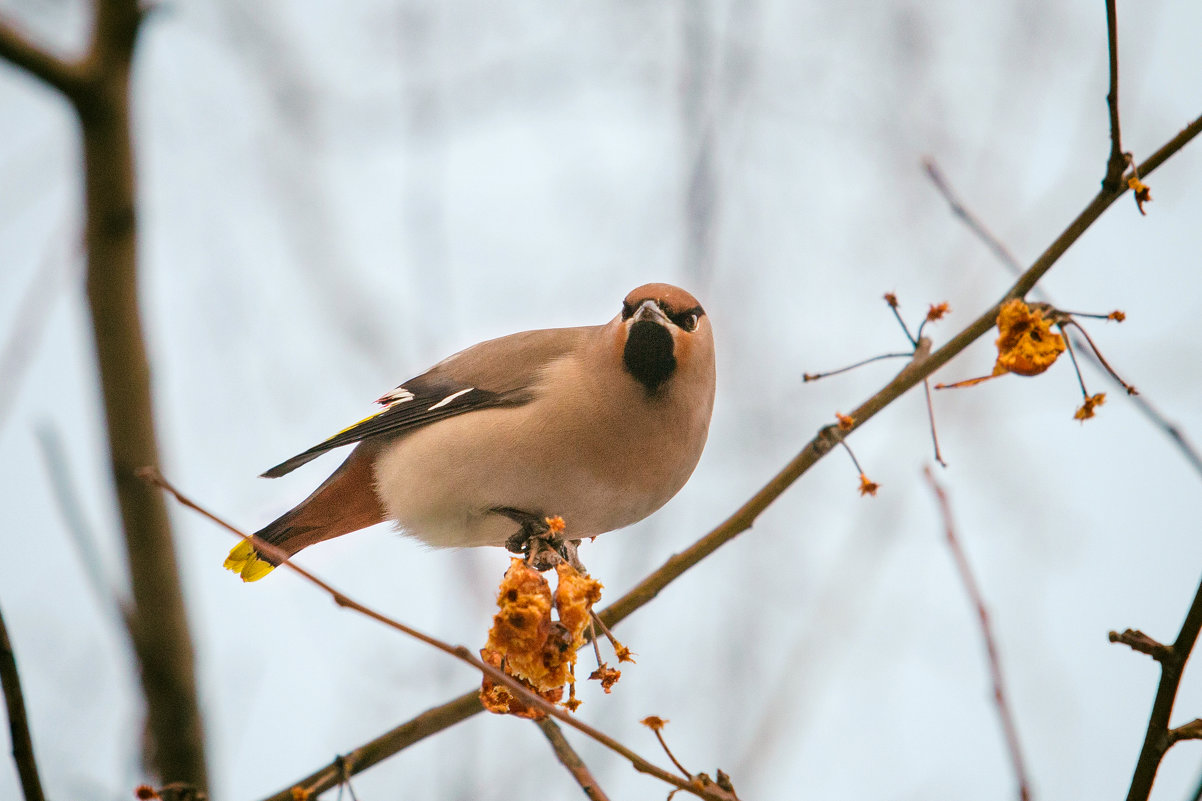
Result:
{"points": [[245, 560], [345, 502]]}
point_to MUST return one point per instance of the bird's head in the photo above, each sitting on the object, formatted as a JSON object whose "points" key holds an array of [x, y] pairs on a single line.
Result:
{"points": [[664, 332]]}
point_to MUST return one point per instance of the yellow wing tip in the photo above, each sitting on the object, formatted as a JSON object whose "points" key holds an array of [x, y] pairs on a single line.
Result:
{"points": [[245, 561]]}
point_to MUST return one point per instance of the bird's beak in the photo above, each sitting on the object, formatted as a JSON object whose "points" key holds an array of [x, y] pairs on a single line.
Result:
{"points": [[649, 310]]}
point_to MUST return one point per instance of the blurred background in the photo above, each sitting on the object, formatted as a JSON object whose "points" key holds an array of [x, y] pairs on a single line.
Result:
{"points": [[335, 196]]}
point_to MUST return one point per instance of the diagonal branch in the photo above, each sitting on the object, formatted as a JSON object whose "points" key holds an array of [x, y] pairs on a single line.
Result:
{"points": [[829, 437], [1172, 659], [18, 723], [15, 48], [572, 761], [1009, 729]]}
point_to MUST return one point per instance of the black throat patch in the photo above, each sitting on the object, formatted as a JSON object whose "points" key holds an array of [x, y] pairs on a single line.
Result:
{"points": [[648, 355]]}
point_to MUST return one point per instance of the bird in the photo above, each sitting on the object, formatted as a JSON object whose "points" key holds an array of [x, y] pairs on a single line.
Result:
{"points": [[599, 426]]}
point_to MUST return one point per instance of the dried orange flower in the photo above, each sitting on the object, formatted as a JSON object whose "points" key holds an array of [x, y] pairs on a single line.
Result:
{"points": [[607, 676], [623, 653], [301, 793], [1117, 316], [868, 487], [654, 723], [1087, 409], [846, 422], [145, 792], [937, 311], [1026, 343], [1143, 193], [527, 643], [498, 699], [891, 299], [555, 525]]}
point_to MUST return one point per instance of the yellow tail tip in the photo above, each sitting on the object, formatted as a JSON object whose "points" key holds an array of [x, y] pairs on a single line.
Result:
{"points": [[245, 561]]}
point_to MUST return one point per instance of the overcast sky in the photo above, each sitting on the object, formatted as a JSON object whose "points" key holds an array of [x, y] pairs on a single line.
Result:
{"points": [[335, 196]]}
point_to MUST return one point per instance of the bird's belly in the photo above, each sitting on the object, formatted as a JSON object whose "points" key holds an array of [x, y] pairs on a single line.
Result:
{"points": [[441, 483]]}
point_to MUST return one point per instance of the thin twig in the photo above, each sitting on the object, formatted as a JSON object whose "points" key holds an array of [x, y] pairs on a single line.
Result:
{"points": [[905, 328], [659, 735], [18, 722], [460, 652], [815, 376], [1117, 162], [67, 500], [822, 443], [854, 460], [29, 323], [973, 222], [1072, 354], [1009, 730], [1138, 641], [568, 757], [1172, 661], [926, 385], [1101, 359]]}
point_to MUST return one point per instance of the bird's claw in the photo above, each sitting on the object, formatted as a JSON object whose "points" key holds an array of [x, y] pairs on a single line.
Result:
{"points": [[542, 546]]}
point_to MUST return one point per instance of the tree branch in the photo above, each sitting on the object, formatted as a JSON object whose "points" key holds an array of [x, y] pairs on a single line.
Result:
{"points": [[1172, 659], [98, 88], [1009, 729], [827, 438], [1116, 164], [15, 48], [568, 757], [18, 723]]}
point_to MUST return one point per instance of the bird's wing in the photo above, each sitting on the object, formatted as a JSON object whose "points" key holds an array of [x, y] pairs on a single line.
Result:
{"points": [[499, 372]]}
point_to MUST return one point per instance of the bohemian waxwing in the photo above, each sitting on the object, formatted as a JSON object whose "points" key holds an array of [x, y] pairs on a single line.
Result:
{"points": [[598, 425]]}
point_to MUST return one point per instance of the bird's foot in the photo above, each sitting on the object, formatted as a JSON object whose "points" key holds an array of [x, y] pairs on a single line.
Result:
{"points": [[541, 541]]}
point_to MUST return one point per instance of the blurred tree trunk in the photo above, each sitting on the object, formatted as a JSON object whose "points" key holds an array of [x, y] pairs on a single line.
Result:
{"points": [[98, 88]]}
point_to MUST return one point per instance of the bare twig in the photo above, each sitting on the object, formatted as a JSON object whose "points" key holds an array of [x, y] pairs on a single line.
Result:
{"points": [[460, 652], [1138, 641], [926, 386], [1117, 162], [1172, 659], [568, 757], [995, 666], [973, 222], [659, 735], [828, 437], [1101, 359], [67, 500], [18, 723], [815, 376], [15, 47], [29, 322]]}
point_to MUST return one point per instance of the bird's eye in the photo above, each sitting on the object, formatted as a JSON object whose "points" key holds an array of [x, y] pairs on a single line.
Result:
{"points": [[688, 321], [627, 311]]}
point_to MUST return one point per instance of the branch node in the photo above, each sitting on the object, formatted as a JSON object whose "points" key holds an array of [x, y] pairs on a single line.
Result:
{"points": [[1189, 731], [1138, 641]]}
